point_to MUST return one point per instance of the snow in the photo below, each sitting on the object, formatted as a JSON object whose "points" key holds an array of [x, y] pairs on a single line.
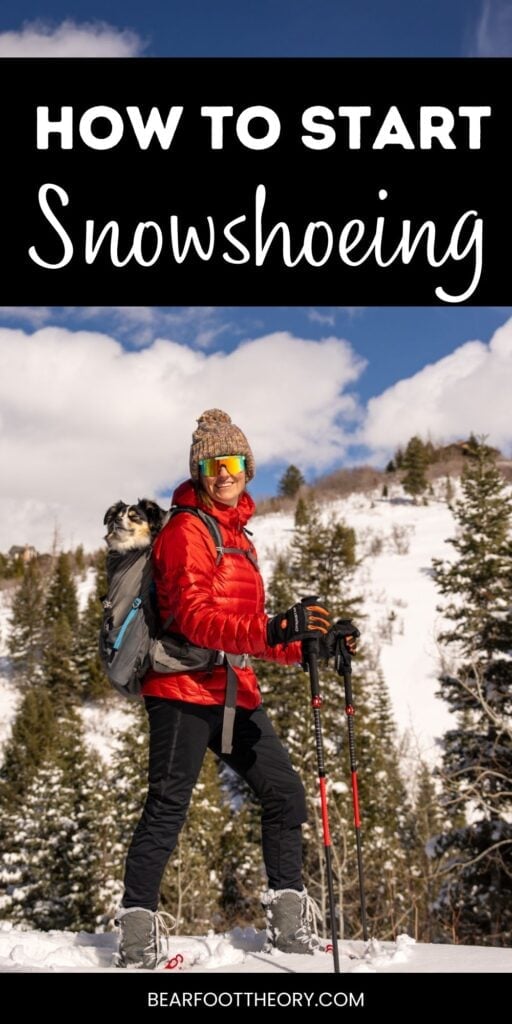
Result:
{"points": [[396, 542], [240, 952], [102, 724], [85, 587]]}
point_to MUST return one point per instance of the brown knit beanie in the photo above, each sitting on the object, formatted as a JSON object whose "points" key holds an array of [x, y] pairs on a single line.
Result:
{"points": [[215, 435]]}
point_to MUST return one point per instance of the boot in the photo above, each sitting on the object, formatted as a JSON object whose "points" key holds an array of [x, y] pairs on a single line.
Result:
{"points": [[143, 940], [289, 914]]}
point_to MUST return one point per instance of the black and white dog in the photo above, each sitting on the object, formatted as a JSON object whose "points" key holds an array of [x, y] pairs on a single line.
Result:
{"points": [[131, 527]]}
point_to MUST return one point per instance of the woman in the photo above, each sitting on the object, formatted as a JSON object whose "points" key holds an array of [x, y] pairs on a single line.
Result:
{"points": [[216, 601]]}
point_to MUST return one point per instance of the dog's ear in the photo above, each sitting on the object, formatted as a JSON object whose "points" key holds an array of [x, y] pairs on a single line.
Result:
{"points": [[154, 514], [111, 512]]}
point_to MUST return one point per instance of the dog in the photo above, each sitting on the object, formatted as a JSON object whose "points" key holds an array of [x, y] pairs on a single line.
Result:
{"points": [[133, 527]]}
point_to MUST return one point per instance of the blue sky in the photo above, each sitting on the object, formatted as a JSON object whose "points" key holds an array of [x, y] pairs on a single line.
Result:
{"points": [[368, 28], [99, 403]]}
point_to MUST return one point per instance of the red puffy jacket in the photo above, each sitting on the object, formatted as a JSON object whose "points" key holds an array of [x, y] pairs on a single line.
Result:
{"points": [[217, 606]]}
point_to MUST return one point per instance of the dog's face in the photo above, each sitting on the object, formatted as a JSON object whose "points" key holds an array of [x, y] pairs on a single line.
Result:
{"points": [[132, 526]]}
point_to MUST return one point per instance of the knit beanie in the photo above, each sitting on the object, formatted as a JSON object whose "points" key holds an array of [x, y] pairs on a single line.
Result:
{"points": [[215, 435]]}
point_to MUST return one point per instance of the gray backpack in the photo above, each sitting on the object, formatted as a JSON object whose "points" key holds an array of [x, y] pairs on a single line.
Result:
{"points": [[131, 637]]}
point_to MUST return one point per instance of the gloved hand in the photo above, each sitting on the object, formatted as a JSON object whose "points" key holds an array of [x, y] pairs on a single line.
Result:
{"points": [[336, 636], [303, 621]]}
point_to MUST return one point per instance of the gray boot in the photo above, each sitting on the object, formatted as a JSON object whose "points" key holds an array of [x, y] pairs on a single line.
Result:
{"points": [[289, 916], [143, 940]]}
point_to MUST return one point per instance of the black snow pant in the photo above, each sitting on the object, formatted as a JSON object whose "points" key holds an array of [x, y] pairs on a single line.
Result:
{"points": [[179, 736]]}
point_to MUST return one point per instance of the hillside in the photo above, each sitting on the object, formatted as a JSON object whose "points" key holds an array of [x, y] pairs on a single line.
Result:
{"points": [[396, 542]]}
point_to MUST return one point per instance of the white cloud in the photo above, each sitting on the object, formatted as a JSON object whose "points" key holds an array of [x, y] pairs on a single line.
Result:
{"points": [[137, 326], [469, 390], [328, 316], [493, 37], [84, 422], [70, 39]]}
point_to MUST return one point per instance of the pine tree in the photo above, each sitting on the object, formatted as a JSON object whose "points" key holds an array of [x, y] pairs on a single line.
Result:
{"points": [[290, 482], [399, 458], [427, 825], [128, 781], [34, 735], [321, 560], [59, 669], [60, 633], [25, 642], [386, 813], [475, 904], [61, 599], [415, 461], [79, 559], [94, 683], [53, 864]]}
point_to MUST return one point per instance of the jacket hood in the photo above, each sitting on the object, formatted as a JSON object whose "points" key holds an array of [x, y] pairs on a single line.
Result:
{"points": [[185, 494]]}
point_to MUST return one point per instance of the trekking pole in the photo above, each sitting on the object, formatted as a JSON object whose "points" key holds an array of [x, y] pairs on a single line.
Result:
{"points": [[310, 654], [343, 665]]}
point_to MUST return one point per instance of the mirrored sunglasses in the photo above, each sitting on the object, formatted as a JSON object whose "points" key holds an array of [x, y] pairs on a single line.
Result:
{"points": [[233, 463]]}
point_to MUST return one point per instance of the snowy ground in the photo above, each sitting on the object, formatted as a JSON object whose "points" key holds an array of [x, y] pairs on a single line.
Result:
{"points": [[239, 952]]}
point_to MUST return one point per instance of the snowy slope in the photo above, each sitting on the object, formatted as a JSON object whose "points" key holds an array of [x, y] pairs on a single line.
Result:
{"points": [[396, 542]]}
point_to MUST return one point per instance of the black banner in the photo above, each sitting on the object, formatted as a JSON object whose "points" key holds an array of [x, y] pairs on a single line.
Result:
{"points": [[213, 182]]}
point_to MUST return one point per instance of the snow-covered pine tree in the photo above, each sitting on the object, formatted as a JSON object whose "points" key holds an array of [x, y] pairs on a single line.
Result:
{"points": [[385, 810], [59, 667], [61, 598], [128, 774], [60, 633], [93, 681], [475, 904], [33, 737], [427, 819], [321, 561], [53, 868], [25, 640]]}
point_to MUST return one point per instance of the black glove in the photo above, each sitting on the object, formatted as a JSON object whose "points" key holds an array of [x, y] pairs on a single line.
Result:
{"points": [[303, 621], [340, 640]]}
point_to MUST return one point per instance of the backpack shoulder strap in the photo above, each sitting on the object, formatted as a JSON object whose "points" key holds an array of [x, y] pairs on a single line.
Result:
{"points": [[211, 525], [214, 530]]}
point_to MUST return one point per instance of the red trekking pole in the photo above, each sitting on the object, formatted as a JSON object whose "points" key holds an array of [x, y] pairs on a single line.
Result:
{"points": [[310, 653], [345, 630]]}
